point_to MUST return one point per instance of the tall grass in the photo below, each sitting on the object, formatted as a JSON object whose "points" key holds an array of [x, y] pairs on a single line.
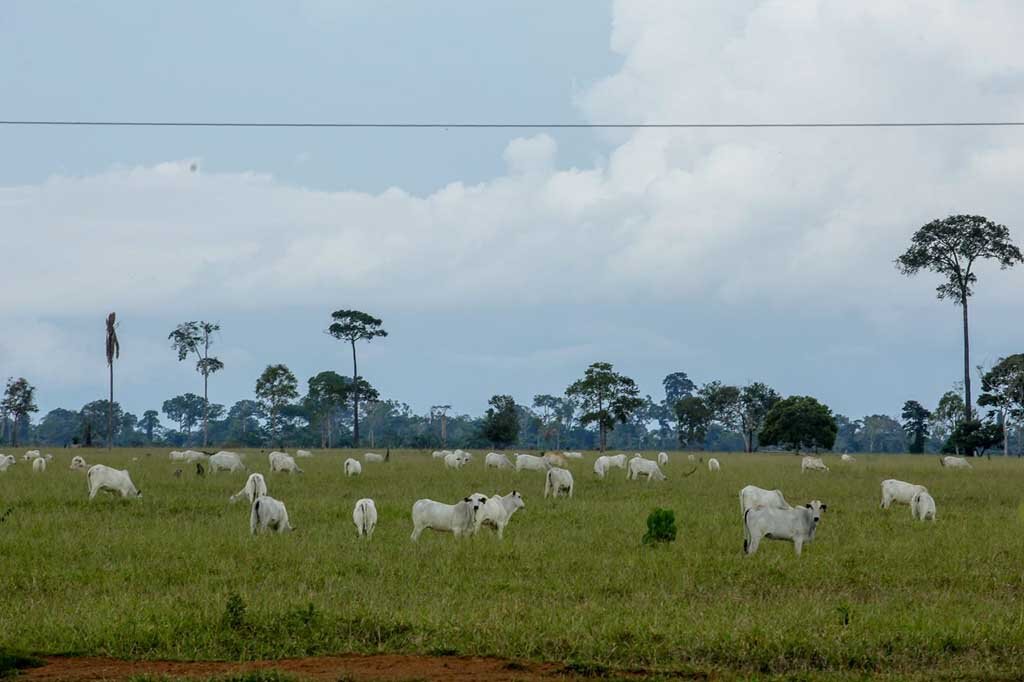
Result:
{"points": [[177, 575]]}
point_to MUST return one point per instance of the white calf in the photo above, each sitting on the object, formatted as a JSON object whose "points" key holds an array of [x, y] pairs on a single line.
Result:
{"points": [[280, 461], [226, 461], [951, 462], [796, 525], [496, 460], [751, 496], [713, 465], [558, 481], [922, 506], [530, 463], [269, 514], [662, 459], [255, 486], [812, 464], [39, 465], [638, 466], [372, 457], [364, 515], [497, 510], [78, 462], [458, 519], [353, 467], [454, 460], [899, 491], [102, 477]]}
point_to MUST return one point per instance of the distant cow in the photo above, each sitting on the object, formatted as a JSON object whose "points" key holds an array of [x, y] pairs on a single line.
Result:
{"points": [[225, 461], [899, 491], [713, 465], [372, 457], [606, 462], [255, 486], [922, 506], [439, 454], [662, 459], [364, 515], [78, 462], [39, 465], [6, 461], [303, 453], [458, 519], [796, 525], [194, 456], [454, 460], [691, 457], [751, 496], [496, 460], [353, 467], [812, 464], [111, 480], [280, 461], [951, 462], [31, 455], [572, 455], [268, 514], [497, 510], [638, 466], [530, 463], [849, 459], [558, 481], [554, 460]]}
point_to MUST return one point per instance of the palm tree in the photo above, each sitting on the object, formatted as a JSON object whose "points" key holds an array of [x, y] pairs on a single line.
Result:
{"points": [[113, 351]]}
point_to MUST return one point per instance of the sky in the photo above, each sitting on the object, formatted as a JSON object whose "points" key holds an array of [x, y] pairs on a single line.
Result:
{"points": [[504, 260]]}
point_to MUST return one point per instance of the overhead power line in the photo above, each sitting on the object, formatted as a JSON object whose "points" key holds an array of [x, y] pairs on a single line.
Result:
{"points": [[367, 124]]}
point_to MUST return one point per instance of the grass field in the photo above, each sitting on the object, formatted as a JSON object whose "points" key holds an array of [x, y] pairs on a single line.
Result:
{"points": [[177, 575]]}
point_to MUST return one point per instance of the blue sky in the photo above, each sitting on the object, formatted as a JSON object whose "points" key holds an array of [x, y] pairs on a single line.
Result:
{"points": [[503, 261]]}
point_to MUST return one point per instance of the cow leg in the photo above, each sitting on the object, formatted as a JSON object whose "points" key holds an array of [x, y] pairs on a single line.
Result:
{"points": [[751, 544], [798, 545]]}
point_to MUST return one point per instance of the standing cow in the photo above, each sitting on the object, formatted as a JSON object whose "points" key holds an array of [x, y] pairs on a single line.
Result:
{"points": [[269, 514], [558, 481], [364, 515], [101, 477], [796, 525]]}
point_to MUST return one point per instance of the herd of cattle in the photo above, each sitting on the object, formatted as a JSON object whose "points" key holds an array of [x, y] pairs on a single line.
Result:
{"points": [[766, 514]]}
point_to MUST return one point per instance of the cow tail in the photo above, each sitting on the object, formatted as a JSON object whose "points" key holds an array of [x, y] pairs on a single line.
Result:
{"points": [[254, 517], [746, 531]]}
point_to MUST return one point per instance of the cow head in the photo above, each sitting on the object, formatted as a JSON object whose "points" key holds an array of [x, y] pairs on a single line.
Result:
{"points": [[816, 507], [517, 499]]}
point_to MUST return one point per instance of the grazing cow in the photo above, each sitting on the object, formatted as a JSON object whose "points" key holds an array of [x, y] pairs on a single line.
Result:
{"points": [[268, 514], [194, 456], [812, 464], [280, 461], [39, 465], [951, 462], [796, 525], [255, 486], [303, 453], [849, 459], [364, 515], [225, 461], [497, 510], [899, 491], [458, 519], [372, 457], [554, 460], [439, 454], [691, 457], [177, 456], [78, 462], [922, 506], [496, 460], [713, 465], [6, 461], [530, 463], [558, 481], [638, 466], [572, 455], [662, 459], [751, 496], [111, 480], [31, 455], [454, 460], [605, 462], [353, 467]]}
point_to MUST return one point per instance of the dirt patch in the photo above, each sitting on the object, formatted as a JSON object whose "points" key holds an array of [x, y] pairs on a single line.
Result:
{"points": [[382, 667]]}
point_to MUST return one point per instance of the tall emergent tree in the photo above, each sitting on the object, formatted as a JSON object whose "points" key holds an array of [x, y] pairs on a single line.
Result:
{"points": [[501, 422], [19, 402], [328, 391], [275, 388], [113, 351], [755, 401], [693, 417], [915, 423], [605, 397], [352, 326], [150, 422], [186, 411], [950, 247], [677, 386], [194, 338], [797, 422], [1003, 393]]}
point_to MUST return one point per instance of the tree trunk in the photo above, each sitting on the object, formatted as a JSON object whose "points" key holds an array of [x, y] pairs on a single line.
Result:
{"points": [[330, 428], [206, 408], [748, 440], [602, 439], [967, 365], [355, 399], [110, 410]]}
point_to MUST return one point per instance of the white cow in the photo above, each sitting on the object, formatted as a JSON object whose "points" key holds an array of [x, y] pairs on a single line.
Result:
{"points": [[102, 477], [572, 455], [268, 514], [951, 462], [497, 510], [303, 453], [39, 465], [353, 467], [31, 455], [177, 455], [6, 461], [454, 460], [662, 459], [458, 519], [606, 462], [691, 457], [364, 515], [226, 461], [554, 460], [372, 457], [812, 464], [255, 486], [78, 462], [496, 460], [849, 459], [922, 506], [638, 466], [713, 465], [796, 525], [558, 481], [751, 496], [439, 454], [280, 461], [191, 456], [899, 491], [530, 463]]}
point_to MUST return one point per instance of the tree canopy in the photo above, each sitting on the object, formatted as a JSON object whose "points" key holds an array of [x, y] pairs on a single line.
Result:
{"points": [[501, 421], [799, 422], [605, 397]]}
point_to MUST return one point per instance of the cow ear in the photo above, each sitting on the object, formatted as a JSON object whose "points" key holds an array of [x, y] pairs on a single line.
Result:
{"points": [[467, 500], [824, 507], [483, 500], [808, 506]]}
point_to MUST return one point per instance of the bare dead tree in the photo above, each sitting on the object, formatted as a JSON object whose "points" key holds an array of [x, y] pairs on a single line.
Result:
{"points": [[113, 351]]}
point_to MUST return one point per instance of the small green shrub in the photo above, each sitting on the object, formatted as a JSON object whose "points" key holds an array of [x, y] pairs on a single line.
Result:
{"points": [[661, 526]]}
